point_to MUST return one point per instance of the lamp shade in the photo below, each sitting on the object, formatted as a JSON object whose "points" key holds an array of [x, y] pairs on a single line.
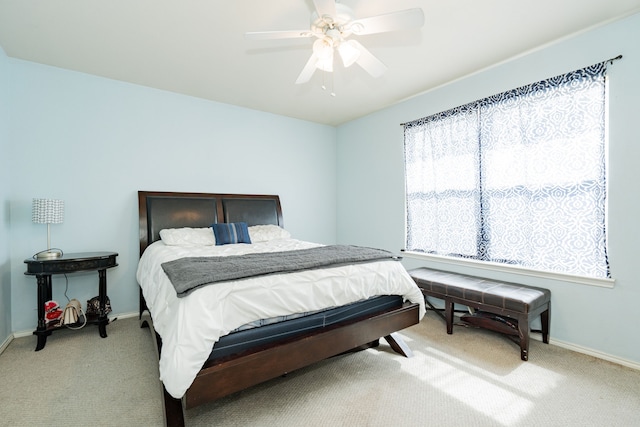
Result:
{"points": [[323, 50], [349, 52], [47, 211]]}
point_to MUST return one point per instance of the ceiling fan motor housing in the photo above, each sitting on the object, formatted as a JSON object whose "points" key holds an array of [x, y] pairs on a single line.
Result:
{"points": [[333, 26]]}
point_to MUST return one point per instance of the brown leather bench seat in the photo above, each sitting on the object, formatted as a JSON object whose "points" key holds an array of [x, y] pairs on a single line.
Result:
{"points": [[513, 301]]}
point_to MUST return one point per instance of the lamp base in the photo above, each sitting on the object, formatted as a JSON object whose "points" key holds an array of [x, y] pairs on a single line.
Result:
{"points": [[49, 254]]}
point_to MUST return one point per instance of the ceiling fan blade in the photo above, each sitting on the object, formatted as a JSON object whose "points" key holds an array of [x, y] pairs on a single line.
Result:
{"points": [[368, 62], [394, 21], [273, 35], [308, 70], [325, 8]]}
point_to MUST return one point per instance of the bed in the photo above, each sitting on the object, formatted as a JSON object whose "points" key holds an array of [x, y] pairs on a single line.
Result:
{"points": [[235, 342]]}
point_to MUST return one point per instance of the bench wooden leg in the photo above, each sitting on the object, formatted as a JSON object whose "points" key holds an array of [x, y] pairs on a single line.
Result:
{"points": [[448, 314], [544, 319], [523, 332]]}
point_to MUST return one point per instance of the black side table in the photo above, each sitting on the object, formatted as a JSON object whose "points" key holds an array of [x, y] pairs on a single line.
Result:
{"points": [[69, 263]]}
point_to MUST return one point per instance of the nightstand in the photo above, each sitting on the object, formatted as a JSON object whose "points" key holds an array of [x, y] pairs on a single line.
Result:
{"points": [[43, 269]]}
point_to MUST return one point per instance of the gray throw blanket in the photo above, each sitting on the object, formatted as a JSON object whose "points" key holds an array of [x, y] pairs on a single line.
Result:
{"points": [[187, 274]]}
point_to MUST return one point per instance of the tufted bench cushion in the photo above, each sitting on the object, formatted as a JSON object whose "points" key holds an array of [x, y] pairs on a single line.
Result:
{"points": [[515, 301]]}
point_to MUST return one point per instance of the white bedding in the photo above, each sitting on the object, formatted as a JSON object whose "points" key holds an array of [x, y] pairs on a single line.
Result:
{"points": [[190, 326]]}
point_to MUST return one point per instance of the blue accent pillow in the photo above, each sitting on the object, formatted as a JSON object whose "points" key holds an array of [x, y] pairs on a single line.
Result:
{"points": [[229, 233]]}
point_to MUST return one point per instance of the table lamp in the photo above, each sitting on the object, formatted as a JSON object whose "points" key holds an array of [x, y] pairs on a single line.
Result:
{"points": [[48, 211]]}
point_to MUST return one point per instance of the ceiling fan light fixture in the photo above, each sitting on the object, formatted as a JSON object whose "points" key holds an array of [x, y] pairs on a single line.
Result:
{"points": [[325, 64], [349, 52], [323, 51], [323, 48]]}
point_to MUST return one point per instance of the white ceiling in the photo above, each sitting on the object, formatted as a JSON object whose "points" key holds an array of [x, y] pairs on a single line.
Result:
{"points": [[198, 48]]}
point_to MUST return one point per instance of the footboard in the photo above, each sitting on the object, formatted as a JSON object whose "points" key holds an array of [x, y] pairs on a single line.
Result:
{"points": [[222, 378]]}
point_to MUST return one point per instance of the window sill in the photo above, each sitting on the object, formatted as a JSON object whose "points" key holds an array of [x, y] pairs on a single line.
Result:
{"points": [[511, 269]]}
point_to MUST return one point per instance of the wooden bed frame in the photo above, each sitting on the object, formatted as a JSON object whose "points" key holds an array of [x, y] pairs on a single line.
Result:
{"points": [[227, 375]]}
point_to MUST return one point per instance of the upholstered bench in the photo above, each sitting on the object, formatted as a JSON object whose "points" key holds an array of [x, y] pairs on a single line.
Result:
{"points": [[514, 306]]}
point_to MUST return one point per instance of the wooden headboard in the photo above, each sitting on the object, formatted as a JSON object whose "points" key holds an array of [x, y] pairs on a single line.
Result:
{"points": [[159, 210]]}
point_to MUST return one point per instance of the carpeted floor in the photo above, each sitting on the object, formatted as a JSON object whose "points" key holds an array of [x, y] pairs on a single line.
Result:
{"points": [[471, 378], [82, 379]]}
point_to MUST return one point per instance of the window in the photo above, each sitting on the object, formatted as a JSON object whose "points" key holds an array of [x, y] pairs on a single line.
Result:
{"points": [[517, 178]]}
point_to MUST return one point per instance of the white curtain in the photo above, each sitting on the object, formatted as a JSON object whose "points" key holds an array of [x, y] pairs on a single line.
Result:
{"points": [[517, 178]]}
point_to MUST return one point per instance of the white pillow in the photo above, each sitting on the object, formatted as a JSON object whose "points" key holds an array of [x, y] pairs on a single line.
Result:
{"points": [[264, 233], [188, 236]]}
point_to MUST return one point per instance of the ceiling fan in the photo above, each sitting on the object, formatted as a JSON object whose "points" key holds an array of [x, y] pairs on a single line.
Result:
{"points": [[331, 24]]}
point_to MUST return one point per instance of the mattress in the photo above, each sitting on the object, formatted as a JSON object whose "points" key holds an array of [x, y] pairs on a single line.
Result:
{"points": [[245, 339]]}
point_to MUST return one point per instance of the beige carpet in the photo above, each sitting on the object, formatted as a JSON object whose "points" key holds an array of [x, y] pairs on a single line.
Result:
{"points": [[80, 379], [470, 378]]}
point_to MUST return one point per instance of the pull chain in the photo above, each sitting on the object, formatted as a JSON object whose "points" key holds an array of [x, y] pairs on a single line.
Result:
{"points": [[324, 86]]}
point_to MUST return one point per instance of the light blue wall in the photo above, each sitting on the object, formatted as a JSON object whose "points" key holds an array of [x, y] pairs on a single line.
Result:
{"points": [[370, 173], [95, 142], [5, 187]]}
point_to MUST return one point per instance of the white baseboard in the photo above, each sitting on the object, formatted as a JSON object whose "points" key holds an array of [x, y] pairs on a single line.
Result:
{"points": [[595, 353], [127, 315], [21, 334], [6, 343]]}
